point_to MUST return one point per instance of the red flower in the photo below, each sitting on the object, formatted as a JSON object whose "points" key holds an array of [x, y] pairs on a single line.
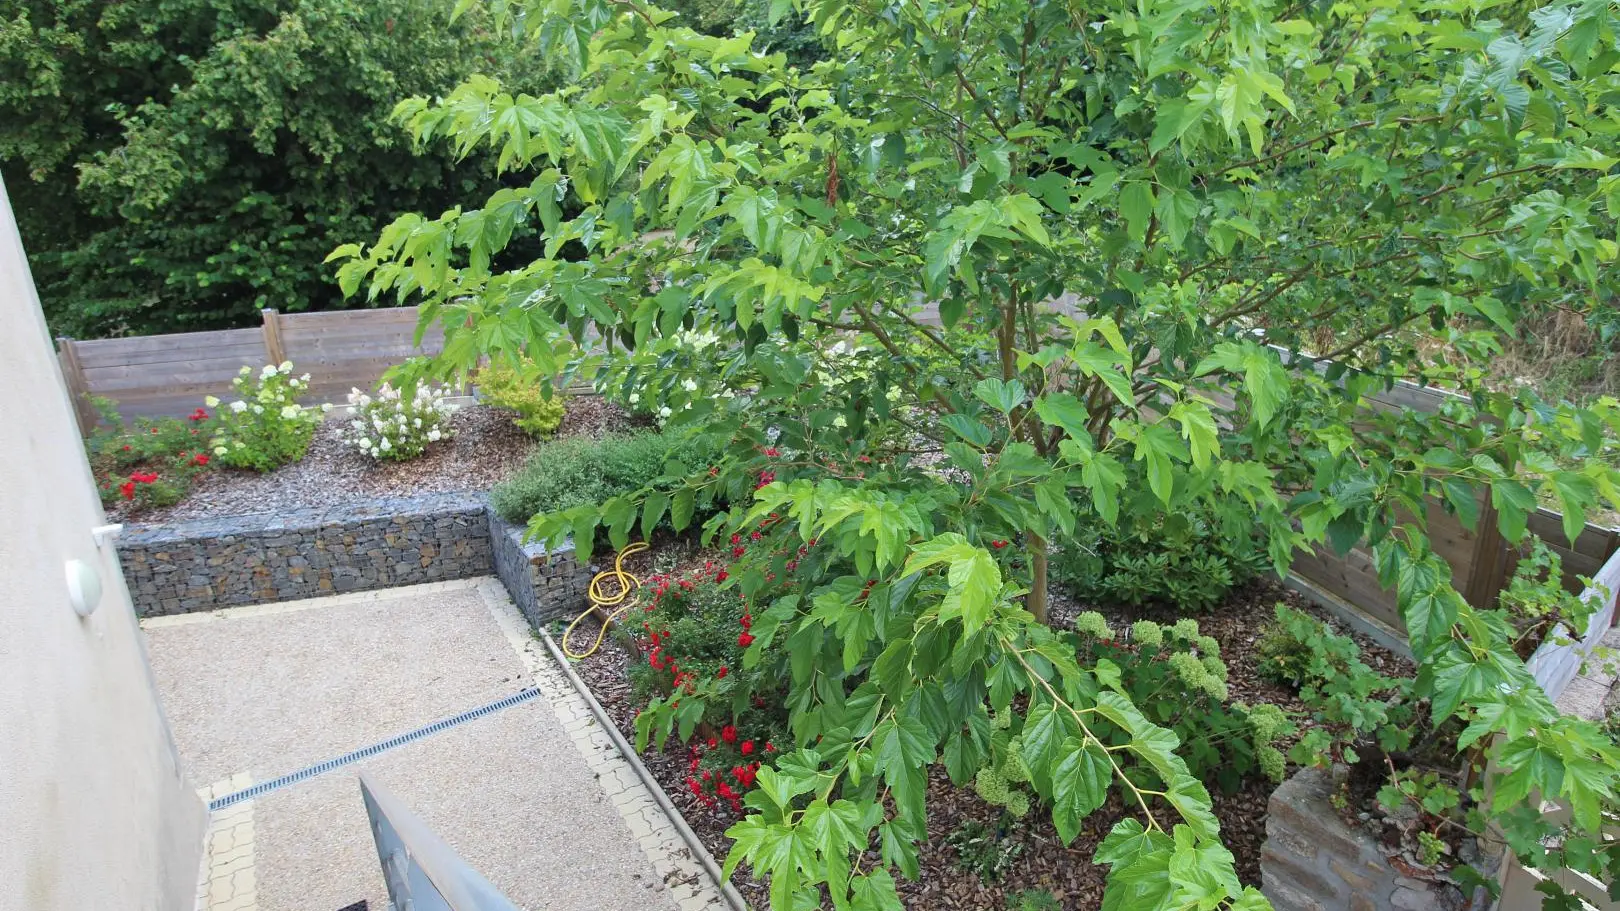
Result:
{"points": [[199, 415], [745, 640], [728, 734], [770, 747], [721, 673], [724, 790], [747, 747], [127, 489], [735, 539], [200, 460], [773, 452], [126, 447], [721, 576], [998, 544], [713, 743], [747, 621]]}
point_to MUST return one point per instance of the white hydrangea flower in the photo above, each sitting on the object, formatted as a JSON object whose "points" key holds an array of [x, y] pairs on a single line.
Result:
{"points": [[690, 385], [286, 367], [840, 421], [220, 450], [268, 371], [304, 378], [258, 409], [289, 412], [364, 442], [244, 372], [635, 397], [239, 406], [893, 394], [386, 445], [434, 436], [417, 422], [664, 412], [325, 407], [211, 402]]}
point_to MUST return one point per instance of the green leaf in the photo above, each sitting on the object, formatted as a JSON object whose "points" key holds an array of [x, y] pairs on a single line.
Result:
{"points": [[968, 429], [652, 511], [1136, 205], [681, 508], [1514, 502], [1060, 409], [1079, 785], [1001, 395]]}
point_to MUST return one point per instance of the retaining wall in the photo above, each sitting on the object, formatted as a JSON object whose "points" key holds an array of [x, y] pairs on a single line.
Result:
{"points": [[545, 585], [207, 564], [212, 563], [1314, 861]]}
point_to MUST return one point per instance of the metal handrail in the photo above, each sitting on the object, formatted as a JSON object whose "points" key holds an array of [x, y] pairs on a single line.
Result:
{"points": [[422, 872]]}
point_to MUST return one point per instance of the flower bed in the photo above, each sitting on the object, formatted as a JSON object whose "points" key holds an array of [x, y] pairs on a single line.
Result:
{"points": [[977, 854]]}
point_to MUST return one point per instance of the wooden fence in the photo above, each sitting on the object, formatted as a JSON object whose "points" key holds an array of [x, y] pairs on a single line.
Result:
{"points": [[157, 375], [1481, 561]]}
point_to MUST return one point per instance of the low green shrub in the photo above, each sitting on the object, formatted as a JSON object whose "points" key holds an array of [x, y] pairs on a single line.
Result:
{"points": [[265, 428], [1299, 650], [526, 390], [1175, 676], [983, 851], [579, 471], [1187, 558], [1350, 703]]}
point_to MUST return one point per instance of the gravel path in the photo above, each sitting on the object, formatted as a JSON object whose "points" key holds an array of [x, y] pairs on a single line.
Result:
{"points": [[487, 448]]}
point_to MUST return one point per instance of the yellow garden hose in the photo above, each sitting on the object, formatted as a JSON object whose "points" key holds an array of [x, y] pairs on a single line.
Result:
{"points": [[600, 599]]}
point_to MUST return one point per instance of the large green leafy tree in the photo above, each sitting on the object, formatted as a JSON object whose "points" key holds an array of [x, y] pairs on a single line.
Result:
{"points": [[1258, 214], [179, 165]]}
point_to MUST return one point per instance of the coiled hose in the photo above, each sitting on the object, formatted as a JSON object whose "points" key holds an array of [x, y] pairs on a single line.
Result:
{"points": [[622, 600]]}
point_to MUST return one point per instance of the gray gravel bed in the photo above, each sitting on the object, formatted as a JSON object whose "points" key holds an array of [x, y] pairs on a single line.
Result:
{"points": [[487, 448]]}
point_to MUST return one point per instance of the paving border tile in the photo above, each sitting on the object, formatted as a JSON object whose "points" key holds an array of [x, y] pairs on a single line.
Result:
{"points": [[228, 880], [675, 852], [288, 607]]}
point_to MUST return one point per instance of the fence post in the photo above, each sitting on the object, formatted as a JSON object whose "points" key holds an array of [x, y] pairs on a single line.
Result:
{"points": [[78, 387], [272, 336], [1488, 565]]}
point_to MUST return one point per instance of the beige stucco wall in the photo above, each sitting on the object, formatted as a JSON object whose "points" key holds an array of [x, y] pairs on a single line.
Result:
{"points": [[95, 812]]}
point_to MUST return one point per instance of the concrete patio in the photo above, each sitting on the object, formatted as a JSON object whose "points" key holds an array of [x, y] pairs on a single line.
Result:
{"points": [[533, 796]]}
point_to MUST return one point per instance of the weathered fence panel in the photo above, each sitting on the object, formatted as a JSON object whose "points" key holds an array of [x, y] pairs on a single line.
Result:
{"points": [[155, 375]]}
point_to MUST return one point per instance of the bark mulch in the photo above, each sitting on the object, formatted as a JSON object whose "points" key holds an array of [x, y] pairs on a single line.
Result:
{"points": [[1041, 861]]}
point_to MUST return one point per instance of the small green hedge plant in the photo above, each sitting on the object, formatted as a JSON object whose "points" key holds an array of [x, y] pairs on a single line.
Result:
{"points": [[579, 471], [395, 427], [265, 428], [527, 391], [1189, 558]]}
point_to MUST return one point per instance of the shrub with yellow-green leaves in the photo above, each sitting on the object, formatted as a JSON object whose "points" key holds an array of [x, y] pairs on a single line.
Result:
{"points": [[1175, 676]]}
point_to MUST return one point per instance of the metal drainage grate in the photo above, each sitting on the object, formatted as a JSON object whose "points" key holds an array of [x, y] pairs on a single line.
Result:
{"points": [[321, 768]]}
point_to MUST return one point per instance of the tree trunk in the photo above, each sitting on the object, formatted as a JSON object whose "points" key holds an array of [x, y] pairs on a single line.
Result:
{"points": [[1037, 570]]}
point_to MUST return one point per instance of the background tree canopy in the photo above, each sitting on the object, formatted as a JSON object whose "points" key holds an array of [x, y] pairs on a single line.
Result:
{"points": [[177, 165]]}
